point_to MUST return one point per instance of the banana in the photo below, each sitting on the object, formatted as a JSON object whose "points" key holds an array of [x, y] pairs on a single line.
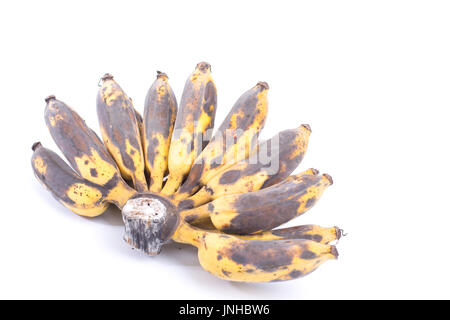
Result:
{"points": [[268, 208], [120, 131], [236, 259], [307, 232], [241, 126], [77, 194], [80, 145], [286, 150], [159, 113], [235, 204], [192, 126]]}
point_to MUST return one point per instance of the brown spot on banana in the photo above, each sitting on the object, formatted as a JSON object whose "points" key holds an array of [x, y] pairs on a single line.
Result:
{"points": [[195, 117], [160, 112], [120, 131]]}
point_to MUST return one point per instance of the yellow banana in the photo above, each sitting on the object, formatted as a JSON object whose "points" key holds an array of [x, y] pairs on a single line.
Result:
{"points": [[195, 118], [159, 117], [120, 131], [232, 141], [286, 151], [236, 259], [77, 194]]}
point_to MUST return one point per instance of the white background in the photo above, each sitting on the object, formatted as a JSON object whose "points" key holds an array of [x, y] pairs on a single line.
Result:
{"points": [[372, 79]]}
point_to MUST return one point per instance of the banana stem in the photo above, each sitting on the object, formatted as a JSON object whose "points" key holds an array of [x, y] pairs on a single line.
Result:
{"points": [[182, 194], [195, 214], [188, 234], [120, 195], [156, 184], [201, 197], [172, 184]]}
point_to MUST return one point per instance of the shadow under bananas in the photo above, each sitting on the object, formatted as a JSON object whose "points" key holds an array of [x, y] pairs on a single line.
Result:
{"points": [[172, 253], [112, 216]]}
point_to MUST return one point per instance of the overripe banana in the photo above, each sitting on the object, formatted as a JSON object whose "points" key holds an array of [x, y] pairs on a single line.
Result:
{"points": [[232, 141], [200, 215], [224, 197], [265, 209], [79, 195], [160, 111], [274, 160], [236, 259], [79, 144], [192, 127], [120, 131]]}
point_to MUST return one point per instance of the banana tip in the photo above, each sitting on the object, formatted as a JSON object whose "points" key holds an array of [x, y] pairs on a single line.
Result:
{"points": [[36, 145], [107, 76], [339, 233], [160, 74], [334, 251], [49, 98], [307, 127], [314, 171], [263, 84], [328, 177], [204, 66]]}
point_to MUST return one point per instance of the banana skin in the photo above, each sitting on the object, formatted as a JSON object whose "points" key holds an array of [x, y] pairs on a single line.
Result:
{"points": [[195, 118], [160, 111], [120, 131]]}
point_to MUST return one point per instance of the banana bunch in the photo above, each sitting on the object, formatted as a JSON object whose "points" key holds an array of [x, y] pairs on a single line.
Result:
{"points": [[225, 193]]}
